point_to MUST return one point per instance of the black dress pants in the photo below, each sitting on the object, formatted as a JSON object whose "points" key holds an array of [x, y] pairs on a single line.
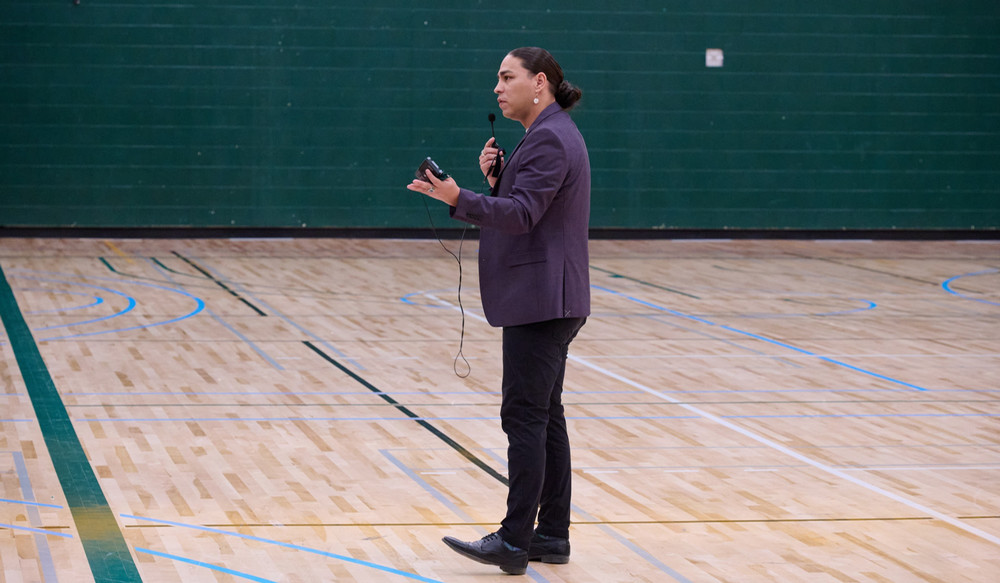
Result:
{"points": [[532, 416]]}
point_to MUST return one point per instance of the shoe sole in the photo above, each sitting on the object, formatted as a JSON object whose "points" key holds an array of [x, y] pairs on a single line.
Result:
{"points": [[513, 570], [551, 559], [510, 569]]}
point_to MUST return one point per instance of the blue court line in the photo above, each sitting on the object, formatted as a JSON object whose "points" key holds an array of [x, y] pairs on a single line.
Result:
{"points": [[45, 561], [635, 548], [107, 553], [860, 415], [282, 315], [764, 339], [434, 492], [131, 303], [295, 393], [825, 358], [36, 530], [97, 300], [30, 503], [468, 394], [199, 303], [440, 497], [407, 298], [602, 418], [260, 352], [345, 419], [718, 338], [947, 286], [295, 547], [178, 558], [869, 305], [614, 534]]}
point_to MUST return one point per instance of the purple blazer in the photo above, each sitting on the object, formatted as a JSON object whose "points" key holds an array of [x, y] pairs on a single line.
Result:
{"points": [[533, 256]]}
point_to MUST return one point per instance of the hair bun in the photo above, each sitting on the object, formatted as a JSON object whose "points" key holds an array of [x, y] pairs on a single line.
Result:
{"points": [[567, 94]]}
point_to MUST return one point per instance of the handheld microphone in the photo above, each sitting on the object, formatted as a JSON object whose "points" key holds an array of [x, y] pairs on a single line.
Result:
{"points": [[495, 169]]}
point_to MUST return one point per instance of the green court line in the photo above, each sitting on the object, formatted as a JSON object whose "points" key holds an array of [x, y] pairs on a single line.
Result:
{"points": [[103, 542]]}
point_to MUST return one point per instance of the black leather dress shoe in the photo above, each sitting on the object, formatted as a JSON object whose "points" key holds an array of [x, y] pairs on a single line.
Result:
{"points": [[548, 549], [492, 550]]}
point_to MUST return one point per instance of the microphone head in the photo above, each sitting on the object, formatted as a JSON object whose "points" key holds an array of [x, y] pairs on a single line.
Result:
{"points": [[493, 118]]}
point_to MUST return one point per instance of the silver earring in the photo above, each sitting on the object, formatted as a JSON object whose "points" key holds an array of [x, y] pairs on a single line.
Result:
{"points": [[536, 101]]}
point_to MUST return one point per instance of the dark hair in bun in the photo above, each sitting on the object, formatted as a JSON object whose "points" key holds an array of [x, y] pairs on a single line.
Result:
{"points": [[538, 60]]}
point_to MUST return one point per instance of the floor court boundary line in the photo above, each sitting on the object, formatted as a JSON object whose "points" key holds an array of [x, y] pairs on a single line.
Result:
{"points": [[947, 286], [423, 419], [36, 531], [107, 553], [279, 314], [253, 346], [773, 444], [842, 474], [760, 337], [204, 565], [285, 545], [199, 303], [607, 527], [440, 497], [410, 415]]}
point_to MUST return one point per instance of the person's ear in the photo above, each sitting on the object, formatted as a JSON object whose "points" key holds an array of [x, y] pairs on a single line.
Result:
{"points": [[540, 82]]}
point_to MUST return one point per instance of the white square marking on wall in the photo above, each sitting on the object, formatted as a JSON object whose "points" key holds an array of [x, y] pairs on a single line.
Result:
{"points": [[713, 57]]}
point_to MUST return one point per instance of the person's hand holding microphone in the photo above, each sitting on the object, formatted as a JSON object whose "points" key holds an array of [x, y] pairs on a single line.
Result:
{"points": [[490, 161]]}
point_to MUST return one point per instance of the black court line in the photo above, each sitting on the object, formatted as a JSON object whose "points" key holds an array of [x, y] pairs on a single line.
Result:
{"points": [[219, 283], [646, 283], [100, 534], [405, 411]]}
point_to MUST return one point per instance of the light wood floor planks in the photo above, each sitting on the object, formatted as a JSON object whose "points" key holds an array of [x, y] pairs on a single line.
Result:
{"points": [[288, 410]]}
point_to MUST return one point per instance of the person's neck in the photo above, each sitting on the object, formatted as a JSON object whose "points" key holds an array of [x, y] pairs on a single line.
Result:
{"points": [[543, 103]]}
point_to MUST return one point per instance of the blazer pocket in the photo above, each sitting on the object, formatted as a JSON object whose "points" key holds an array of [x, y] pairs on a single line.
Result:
{"points": [[525, 257]]}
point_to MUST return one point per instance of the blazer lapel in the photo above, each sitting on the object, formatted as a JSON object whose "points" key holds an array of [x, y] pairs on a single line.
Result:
{"points": [[548, 112]]}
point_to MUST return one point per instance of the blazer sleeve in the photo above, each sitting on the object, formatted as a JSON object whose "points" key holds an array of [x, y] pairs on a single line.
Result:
{"points": [[537, 175]]}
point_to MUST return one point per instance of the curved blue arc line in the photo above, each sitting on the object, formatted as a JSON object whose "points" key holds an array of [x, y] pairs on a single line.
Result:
{"points": [[200, 308], [199, 303], [239, 574], [97, 300], [407, 298], [288, 546], [131, 302], [946, 284], [871, 306]]}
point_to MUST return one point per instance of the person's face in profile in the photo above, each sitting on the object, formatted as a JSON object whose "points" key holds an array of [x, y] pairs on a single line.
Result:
{"points": [[516, 89]]}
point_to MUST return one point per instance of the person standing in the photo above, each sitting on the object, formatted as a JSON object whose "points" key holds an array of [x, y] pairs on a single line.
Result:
{"points": [[535, 285]]}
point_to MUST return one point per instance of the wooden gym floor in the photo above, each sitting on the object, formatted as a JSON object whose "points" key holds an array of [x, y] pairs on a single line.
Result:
{"points": [[288, 410]]}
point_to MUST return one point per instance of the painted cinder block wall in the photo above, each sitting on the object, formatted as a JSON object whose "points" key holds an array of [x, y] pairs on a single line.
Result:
{"points": [[824, 115]]}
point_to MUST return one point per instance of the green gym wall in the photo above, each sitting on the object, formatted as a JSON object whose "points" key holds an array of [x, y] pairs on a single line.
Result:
{"points": [[852, 114]]}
